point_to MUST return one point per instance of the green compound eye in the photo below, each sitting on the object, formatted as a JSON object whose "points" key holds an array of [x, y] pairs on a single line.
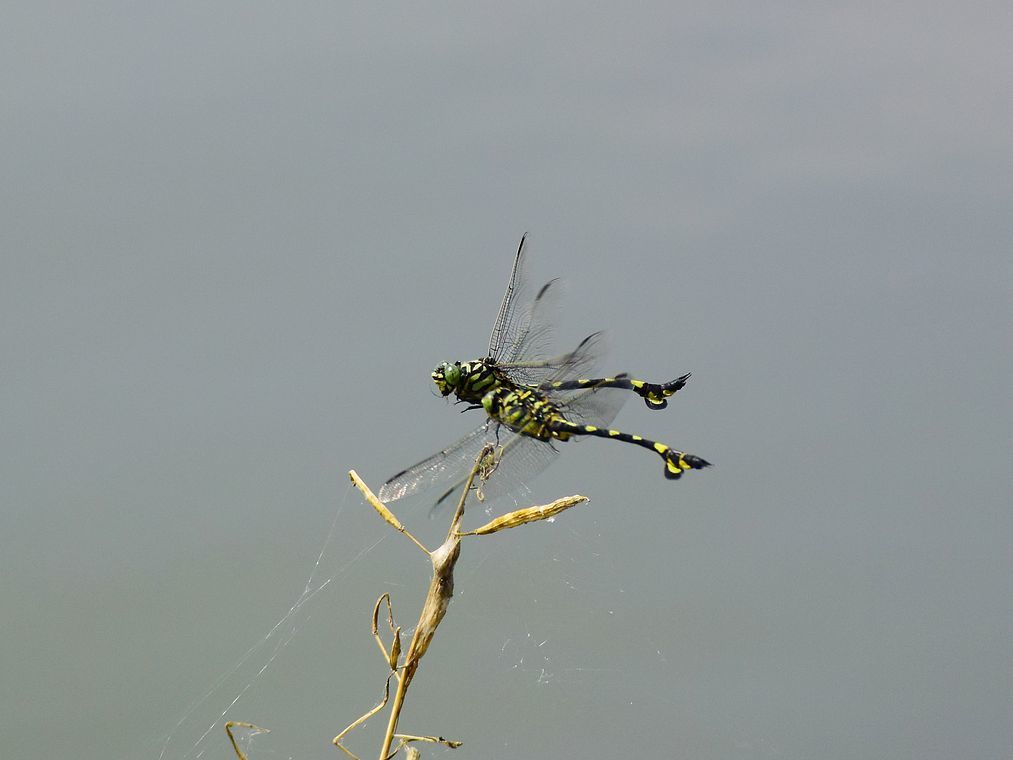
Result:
{"points": [[452, 373], [446, 376]]}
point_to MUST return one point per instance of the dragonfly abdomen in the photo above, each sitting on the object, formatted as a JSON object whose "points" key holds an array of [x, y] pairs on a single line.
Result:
{"points": [[676, 462], [655, 395], [530, 413]]}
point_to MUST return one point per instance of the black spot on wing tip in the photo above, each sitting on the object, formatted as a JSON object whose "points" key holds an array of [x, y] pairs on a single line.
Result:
{"points": [[446, 495], [673, 475], [541, 291], [662, 404]]}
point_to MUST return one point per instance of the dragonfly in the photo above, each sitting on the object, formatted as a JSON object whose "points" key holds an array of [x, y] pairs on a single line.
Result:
{"points": [[532, 399]]}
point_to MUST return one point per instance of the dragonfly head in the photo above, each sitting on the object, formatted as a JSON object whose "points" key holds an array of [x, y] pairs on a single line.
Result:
{"points": [[447, 377]]}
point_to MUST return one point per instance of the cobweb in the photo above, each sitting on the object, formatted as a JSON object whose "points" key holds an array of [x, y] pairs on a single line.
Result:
{"points": [[224, 694], [532, 647]]}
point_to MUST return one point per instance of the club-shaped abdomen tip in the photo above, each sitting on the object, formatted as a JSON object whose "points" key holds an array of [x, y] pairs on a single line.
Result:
{"points": [[676, 463], [695, 462]]}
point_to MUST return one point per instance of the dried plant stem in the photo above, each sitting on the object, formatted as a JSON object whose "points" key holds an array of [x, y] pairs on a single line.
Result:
{"points": [[242, 724], [441, 589]]}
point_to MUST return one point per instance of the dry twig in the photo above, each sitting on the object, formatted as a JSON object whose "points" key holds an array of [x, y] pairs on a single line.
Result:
{"points": [[441, 589]]}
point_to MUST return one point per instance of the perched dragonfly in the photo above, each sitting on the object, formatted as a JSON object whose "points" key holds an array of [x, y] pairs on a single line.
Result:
{"points": [[532, 399]]}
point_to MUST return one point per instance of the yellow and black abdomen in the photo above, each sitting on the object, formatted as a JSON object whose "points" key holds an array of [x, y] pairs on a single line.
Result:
{"points": [[655, 395], [676, 462]]}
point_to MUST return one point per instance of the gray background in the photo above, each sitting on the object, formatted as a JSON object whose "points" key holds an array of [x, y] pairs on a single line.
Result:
{"points": [[236, 237]]}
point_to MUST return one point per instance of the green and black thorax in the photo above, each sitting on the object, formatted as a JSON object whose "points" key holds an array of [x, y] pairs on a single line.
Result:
{"points": [[527, 412], [470, 381]]}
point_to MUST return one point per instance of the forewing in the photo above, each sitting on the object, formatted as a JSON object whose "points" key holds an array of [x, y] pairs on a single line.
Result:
{"points": [[515, 310], [521, 340], [535, 334]]}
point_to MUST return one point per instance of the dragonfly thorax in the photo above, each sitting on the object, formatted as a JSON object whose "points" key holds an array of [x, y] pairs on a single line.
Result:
{"points": [[524, 411]]}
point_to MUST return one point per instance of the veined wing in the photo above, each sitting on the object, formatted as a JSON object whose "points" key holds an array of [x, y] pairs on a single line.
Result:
{"points": [[577, 363], [519, 459], [591, 406], [514, 312], [533, 338], [453, 463], [523, 327], [521, 340]]}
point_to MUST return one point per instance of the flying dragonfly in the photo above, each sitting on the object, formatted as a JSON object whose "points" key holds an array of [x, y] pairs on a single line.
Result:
{"points": [[532, 399]]}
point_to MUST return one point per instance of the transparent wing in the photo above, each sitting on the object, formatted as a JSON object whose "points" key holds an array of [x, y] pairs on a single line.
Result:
{"points": [[519, 459], [592, 406], [515, 310], [521, 339], [577, 363], [524, 325], [451, 464], [534, 337]]}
